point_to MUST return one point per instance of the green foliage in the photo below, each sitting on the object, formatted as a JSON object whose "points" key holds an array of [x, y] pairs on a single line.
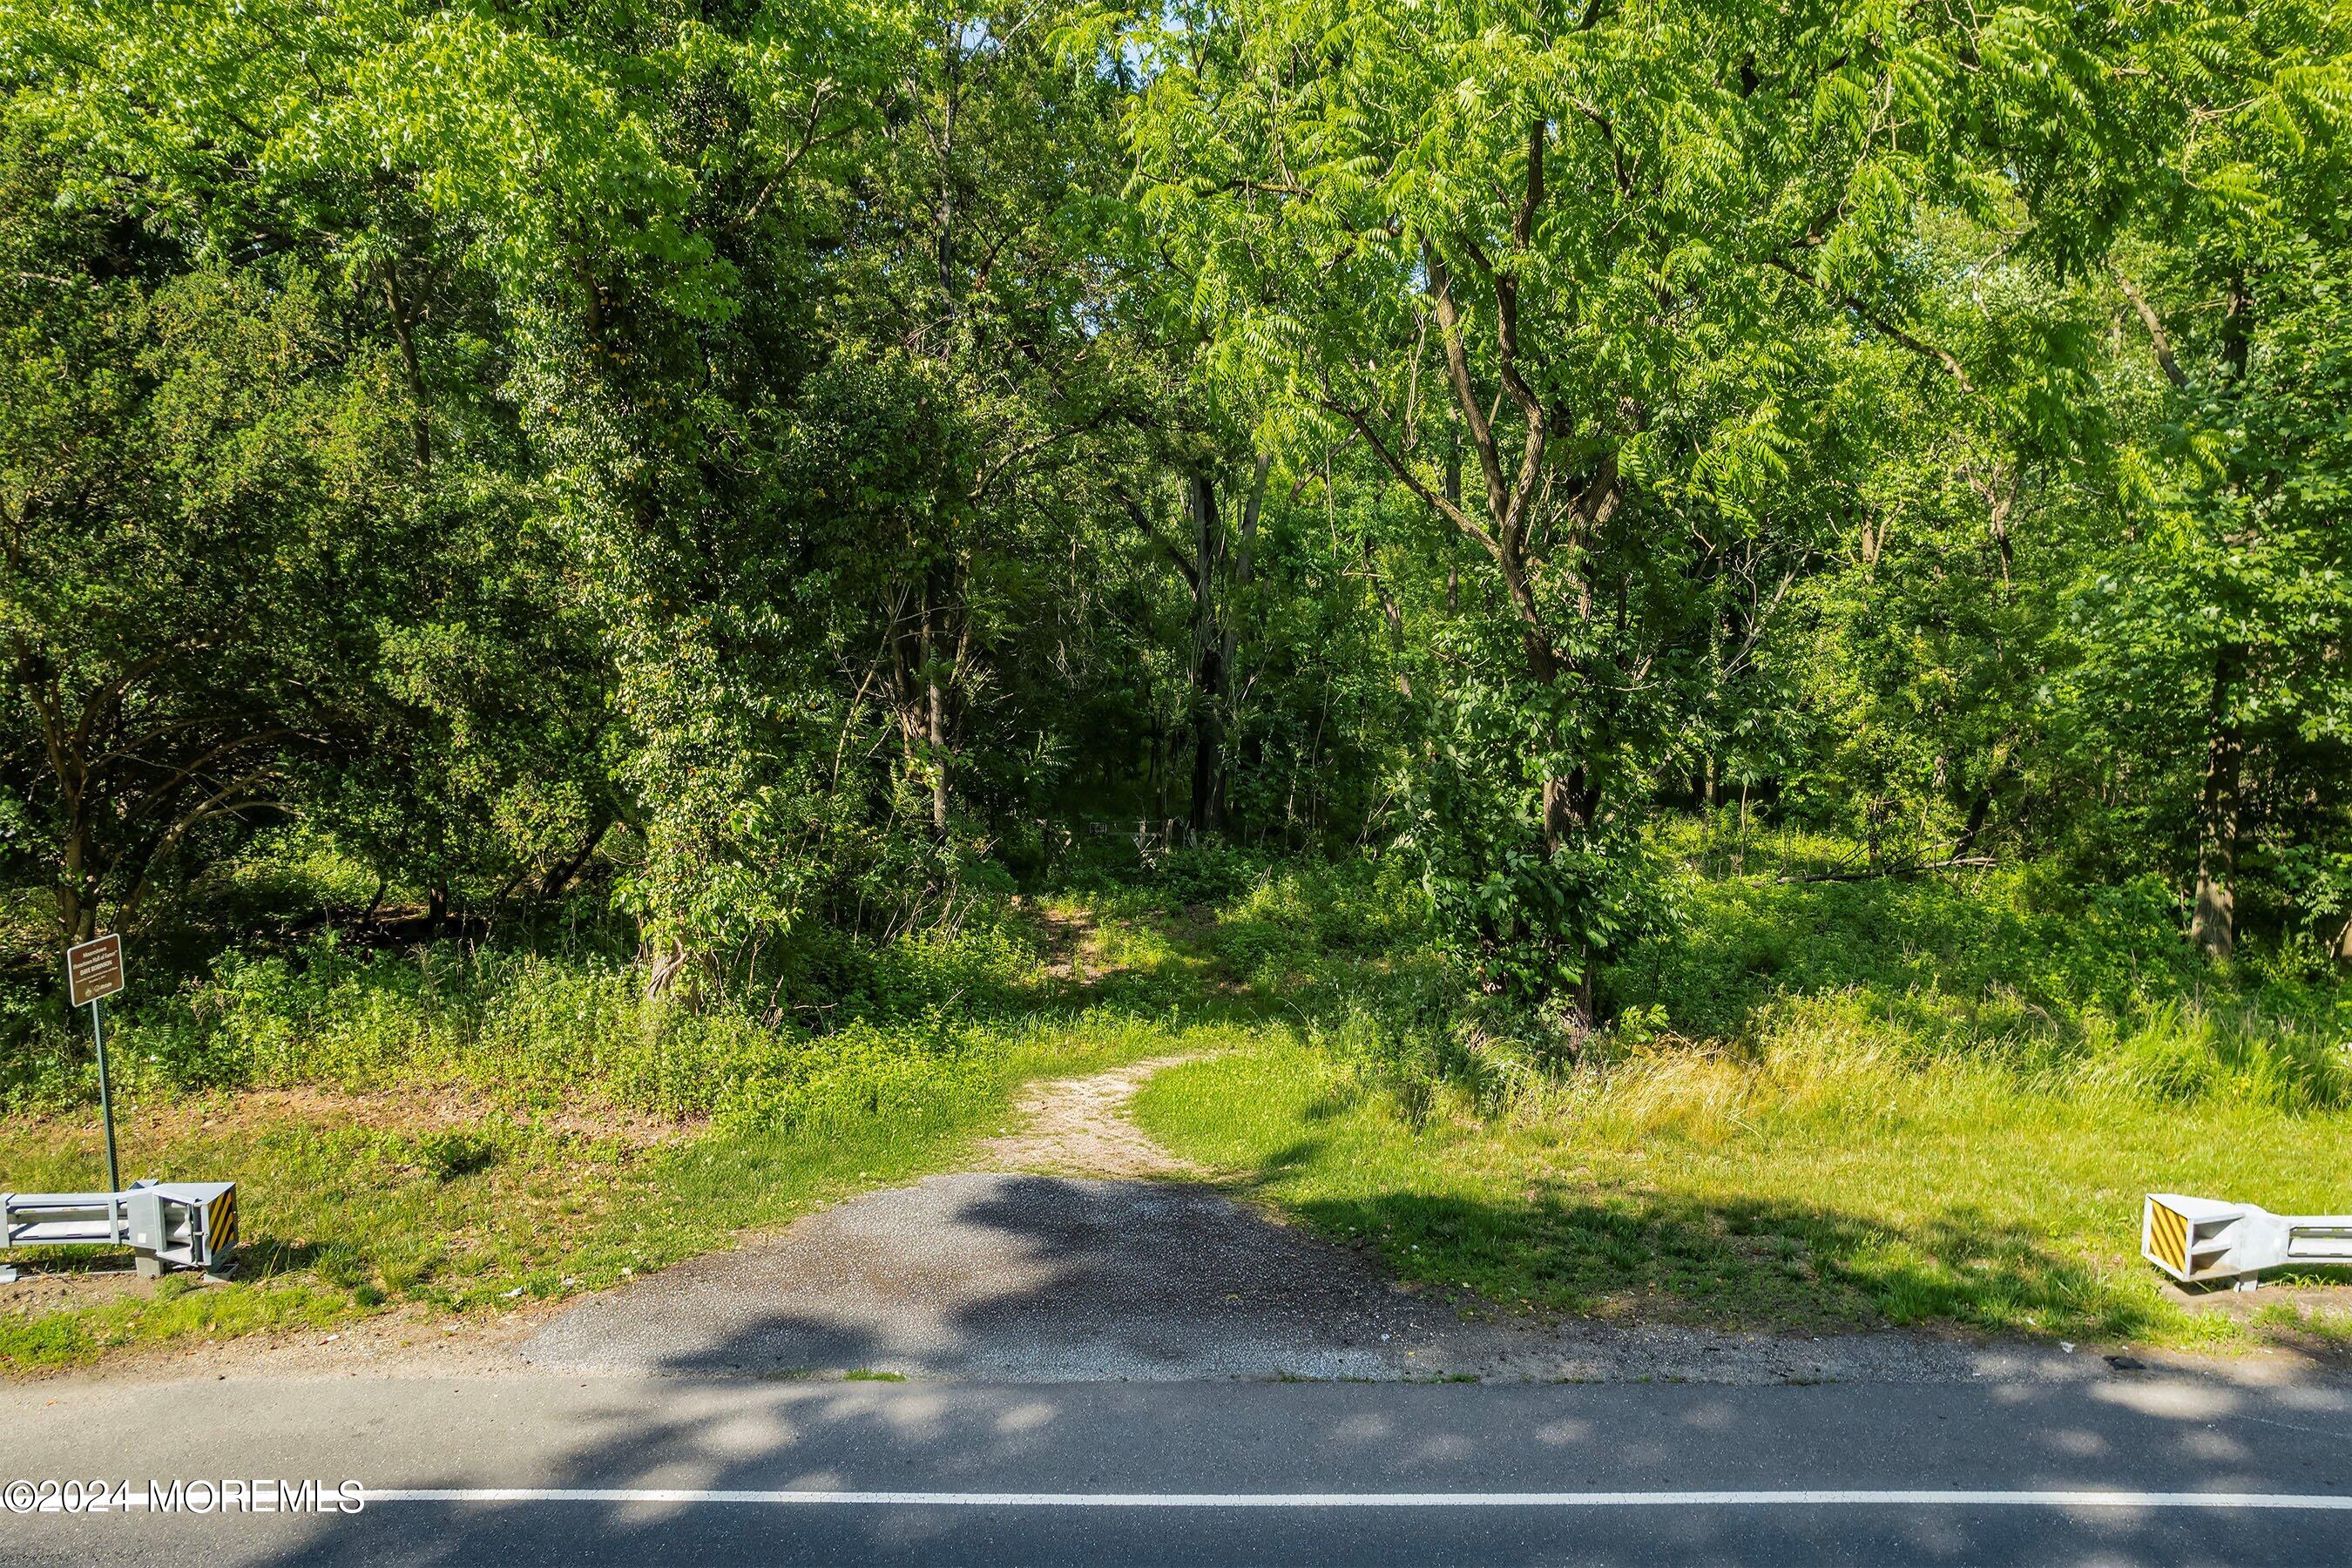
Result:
{"points": [[1964, 1207], [2017, 973], [592, 559], [908, 1022], [195, 565], [1634, 246], [1904, 942], [473, 1133]]}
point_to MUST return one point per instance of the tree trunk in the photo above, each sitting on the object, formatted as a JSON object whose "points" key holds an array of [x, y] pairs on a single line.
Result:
{"points": [[76, 917], [924, 673], [559, 877], [1161, 747], [420, 417], [1979, 812], [1391, 616], [664, 968], [76, 885], [936, 720], [1453, 499], [2214, 926], [1237, 605], [1242, 571], [1208, 655]]}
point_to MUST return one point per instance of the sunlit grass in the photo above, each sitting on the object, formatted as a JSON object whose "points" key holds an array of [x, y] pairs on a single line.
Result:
{"points": [[450, 1131], [1696, 1188], [1900, 1120], [1930, 1102], [350, 1208]]}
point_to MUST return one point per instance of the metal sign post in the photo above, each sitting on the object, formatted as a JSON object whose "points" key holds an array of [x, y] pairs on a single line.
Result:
{"points": [[105, 1094], [94, 972], [168, 1225]]}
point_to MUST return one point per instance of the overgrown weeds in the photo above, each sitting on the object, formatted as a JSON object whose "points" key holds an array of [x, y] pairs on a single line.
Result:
{"points": [[1818, 1104], [897, 1028]]}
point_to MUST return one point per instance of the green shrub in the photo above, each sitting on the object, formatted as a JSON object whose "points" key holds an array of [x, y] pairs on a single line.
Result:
{"points": [[1321, 919], [1209, 873], [447, 1156]]}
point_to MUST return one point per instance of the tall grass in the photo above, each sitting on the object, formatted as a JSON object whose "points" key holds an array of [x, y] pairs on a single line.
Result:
{"points": [[1818, 1104], [1773, 986], [901, 1026]]}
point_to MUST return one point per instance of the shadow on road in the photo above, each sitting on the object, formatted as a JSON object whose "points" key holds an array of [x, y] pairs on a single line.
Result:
{"points": [[1218, 1439], [1011, 1280]]}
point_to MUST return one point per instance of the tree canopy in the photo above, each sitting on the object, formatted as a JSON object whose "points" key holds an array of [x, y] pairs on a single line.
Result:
{"points": [[792, 466]]}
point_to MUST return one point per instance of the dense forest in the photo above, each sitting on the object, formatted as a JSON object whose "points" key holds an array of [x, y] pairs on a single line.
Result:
{"points": [[770, 473]]}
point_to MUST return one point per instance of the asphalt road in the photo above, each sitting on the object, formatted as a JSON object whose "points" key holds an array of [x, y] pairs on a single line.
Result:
{"points": [[1102, 1371], [1204, 1472]]}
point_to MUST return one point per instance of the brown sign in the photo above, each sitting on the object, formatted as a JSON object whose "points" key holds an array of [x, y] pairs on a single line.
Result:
{"points": [[94, 969]]}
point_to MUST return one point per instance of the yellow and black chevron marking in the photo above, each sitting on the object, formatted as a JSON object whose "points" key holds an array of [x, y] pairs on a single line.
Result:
{"points": [[2168, 1237], [220, 1236]]}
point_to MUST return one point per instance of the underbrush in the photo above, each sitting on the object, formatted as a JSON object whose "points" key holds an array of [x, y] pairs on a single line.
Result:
{"points": [[1817, 1104], [1772, 980], [457, 1127], [2167, 1051], [906, 1023], [413, 1197]]}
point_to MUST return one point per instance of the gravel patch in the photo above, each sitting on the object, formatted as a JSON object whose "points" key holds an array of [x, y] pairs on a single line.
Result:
{"points": [[994, 1275], [1009, 1278], [1078, 1127]]}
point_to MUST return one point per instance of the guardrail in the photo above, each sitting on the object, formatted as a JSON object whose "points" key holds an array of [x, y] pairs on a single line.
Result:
{"points": [[169, 1224], [2199, 1239]]}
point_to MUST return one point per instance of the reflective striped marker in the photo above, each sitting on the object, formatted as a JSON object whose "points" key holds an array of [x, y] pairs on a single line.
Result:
{"points": [[2167, 1238]]}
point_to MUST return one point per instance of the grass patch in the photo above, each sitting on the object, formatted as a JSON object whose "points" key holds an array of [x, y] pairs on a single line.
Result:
{"points": [[1705, 1191], [456, 1130], [351, 1206], [1822, 1106]]}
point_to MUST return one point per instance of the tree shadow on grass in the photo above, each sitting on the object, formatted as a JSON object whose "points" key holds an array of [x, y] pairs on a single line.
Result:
{"points": [[1750, 1264]]}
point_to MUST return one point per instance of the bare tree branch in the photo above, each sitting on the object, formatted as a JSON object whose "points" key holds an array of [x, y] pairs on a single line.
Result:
{"points": [[2155, 325], [1878, 323]]}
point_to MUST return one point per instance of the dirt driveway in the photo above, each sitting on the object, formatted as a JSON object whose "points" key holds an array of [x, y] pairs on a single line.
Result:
{"points": [[1084, 1252]]}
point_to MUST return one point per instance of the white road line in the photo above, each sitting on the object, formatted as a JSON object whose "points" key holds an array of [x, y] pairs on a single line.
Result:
{"points": [[2059, 1498]]}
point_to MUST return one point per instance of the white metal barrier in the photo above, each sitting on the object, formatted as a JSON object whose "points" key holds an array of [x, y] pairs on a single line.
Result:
{"points": [[169, 1224], [2198, 1239]]}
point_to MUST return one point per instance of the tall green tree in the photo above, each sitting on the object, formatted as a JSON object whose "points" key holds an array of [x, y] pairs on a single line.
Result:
{"points": [[200, 472], [2217, 631], [1610, 238]]}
